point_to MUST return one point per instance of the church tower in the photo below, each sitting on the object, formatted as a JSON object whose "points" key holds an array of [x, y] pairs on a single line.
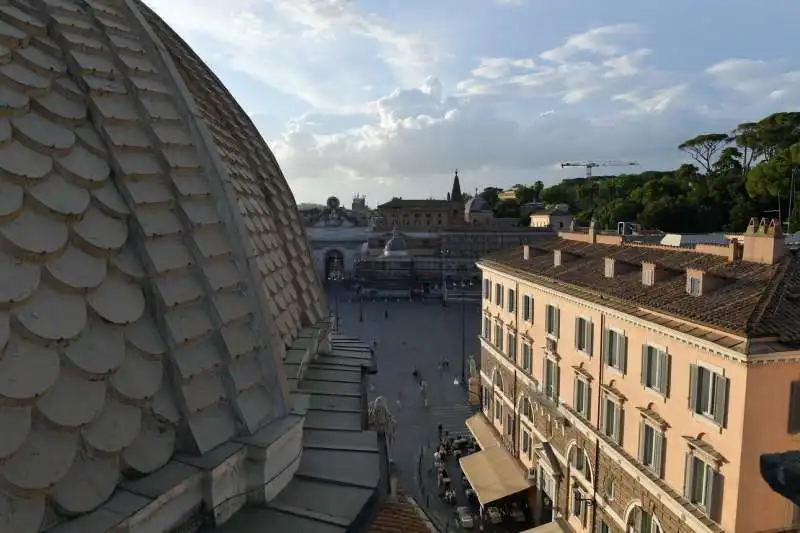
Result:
{"points": [[456, 195]]}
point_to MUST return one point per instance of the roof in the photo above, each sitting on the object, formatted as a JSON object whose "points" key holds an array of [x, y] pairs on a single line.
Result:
{"points": [[399, 203], [400, 515], [477, 204], [147, 231], [754, 300]]}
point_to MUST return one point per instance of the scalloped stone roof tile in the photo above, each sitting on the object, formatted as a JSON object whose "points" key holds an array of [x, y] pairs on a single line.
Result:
{"points": [[144, 226]]}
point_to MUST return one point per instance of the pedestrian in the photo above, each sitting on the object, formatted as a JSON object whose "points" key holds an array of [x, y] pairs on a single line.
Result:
{"points": [[386, 315]]}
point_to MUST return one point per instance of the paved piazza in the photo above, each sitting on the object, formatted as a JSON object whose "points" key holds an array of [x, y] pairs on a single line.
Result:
{"points": [[415, 334]]}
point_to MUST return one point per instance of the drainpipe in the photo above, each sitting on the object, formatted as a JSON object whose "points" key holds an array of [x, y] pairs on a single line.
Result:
{"points": [[596, 479]]}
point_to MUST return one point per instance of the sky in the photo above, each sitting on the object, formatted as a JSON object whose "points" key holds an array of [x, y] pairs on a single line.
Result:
{"points": [[387, 97]]}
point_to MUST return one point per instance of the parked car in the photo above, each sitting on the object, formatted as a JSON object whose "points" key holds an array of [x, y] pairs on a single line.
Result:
{"points": [[465, 518], [494, 515]]}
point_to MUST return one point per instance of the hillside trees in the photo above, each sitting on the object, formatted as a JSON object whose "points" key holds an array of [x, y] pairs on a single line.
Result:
{"points": [[732, 177]]}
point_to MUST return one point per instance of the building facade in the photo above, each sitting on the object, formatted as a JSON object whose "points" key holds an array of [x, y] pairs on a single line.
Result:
{"points": [[638, 385], [338, 236], [443, 239]]}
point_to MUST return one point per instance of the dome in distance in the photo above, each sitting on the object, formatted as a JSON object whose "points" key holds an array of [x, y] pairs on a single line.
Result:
{"points": [[396, 246], [477, 205]]}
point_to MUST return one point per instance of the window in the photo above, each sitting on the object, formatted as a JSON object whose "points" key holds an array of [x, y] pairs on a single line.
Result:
{"points": [[651, 448], [579, 505], [616, 350], [641, 521], [581, 396], [487, 289], [794, 407], [487, 399], [527, 447], [611, 419], [608, 489], [551, 378], [579, 462], [604, 528], [655, 369], [694, 286], [583, 335], [703, 485], [511, 346], [708, 393], [527, 409], [498, 294], [527, 357], [527, 308], [498, 336], [509, 424], [487, 328], [552, 320], [498, 410], [512, 300]]}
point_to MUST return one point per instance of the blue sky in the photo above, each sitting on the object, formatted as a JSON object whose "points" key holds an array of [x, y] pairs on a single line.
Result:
{"points": [[387, 97]]}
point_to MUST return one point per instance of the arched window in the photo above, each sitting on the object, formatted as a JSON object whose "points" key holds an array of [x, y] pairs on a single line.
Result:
{"points": [[641, 521], [579, 462], [527, 410], [498, 381]]}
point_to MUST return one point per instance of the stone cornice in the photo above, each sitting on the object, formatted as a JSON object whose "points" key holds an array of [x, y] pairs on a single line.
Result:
{"points": [[695, 342]]}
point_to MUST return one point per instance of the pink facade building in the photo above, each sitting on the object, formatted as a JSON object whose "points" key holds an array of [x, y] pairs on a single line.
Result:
{"points": [[636, 386]]}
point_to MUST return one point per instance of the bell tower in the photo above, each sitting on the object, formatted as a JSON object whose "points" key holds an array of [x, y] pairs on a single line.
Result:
{"points": [[455, 194]]}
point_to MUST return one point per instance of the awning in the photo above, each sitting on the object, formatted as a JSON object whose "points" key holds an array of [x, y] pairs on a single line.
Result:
{"points": [[493, 474], [559, 525], [482, 430]]}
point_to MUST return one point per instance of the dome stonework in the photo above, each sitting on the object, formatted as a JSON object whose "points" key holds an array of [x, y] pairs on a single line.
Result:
{"points": [[153, 267]]}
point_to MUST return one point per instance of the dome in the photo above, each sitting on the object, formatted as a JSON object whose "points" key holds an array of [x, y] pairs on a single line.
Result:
{"points": [[396, 246], [152, 267], [477, 205]]}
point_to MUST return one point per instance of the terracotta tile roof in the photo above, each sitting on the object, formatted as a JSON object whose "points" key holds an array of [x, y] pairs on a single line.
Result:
{"points": [[754, 300], [399, 516]]}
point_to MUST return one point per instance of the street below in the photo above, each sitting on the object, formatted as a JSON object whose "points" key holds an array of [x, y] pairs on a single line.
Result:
{"points": [[416, 335]]}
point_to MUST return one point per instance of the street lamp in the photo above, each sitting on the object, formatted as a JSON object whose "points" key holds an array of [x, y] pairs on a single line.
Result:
{"points": [[442, 253], [336, 276]]}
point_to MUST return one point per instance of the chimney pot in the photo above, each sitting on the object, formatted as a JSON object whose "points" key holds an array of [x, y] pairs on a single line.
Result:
{"points": [[526, 252]]}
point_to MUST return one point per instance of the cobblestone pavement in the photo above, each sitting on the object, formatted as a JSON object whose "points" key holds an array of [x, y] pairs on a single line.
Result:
{"points": [[416, 335]]}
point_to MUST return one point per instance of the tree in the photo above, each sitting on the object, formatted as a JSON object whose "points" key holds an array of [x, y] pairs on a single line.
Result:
{"points": [[538, 186], [490, 195], [704, 147], [772, 177], [730, 161], [524, 194], [746, 138]]}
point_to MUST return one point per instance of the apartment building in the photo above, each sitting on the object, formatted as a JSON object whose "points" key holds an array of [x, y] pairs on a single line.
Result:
{"points": [[634, 387]]}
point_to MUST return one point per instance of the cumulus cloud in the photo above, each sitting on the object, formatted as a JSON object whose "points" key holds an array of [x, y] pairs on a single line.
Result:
{"points": [[502, 116]]}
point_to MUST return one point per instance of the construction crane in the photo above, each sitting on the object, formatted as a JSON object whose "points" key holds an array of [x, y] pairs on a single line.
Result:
{"points": [[592, 164]]}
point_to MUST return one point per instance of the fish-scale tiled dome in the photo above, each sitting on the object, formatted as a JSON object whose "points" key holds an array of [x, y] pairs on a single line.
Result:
{"points": [[152, 263]]}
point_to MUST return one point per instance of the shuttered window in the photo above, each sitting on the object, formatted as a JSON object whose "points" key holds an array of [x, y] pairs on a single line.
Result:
{"points": [[553, 320], [703, 485], [584, 331], [651, 448], [616, 350], [794, 408], [656, 369], [708, 393]]}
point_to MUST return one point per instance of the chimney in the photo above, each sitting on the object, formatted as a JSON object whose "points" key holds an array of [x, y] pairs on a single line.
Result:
{"points": [[735, 251], [557, 258], [526, 252], [593, 231], [763, 242]]}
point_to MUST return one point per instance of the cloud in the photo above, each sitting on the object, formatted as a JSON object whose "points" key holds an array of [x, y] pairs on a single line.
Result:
{"points": [[595, 96], [298, 47], [386, 109], [602, 41]]}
